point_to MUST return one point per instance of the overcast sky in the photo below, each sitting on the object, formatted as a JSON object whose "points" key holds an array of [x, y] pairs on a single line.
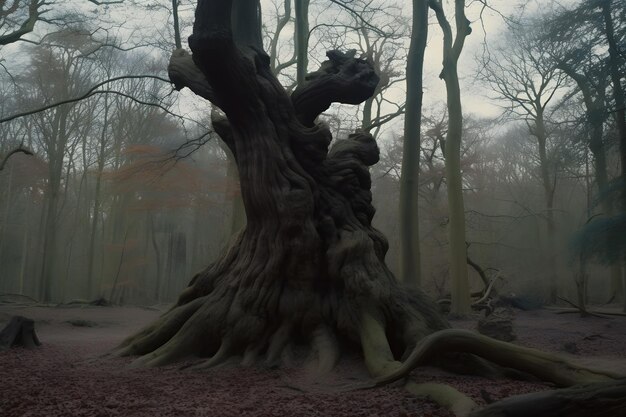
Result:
{"points": [[124, 21]]}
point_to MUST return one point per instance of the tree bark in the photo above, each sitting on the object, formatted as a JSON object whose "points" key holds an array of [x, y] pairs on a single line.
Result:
{"points": [[308, 268], [460, 293], [549, 189], [96, 202], [620, 107], [410, 272], [302, 39], [56, 151], [618, 90], [308, 265], [177, 40]]}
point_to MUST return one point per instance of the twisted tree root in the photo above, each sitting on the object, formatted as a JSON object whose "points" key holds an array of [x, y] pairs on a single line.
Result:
{"points": [[380, 363], [160, 331], [545, 366], [190, 328], [606, 399]]}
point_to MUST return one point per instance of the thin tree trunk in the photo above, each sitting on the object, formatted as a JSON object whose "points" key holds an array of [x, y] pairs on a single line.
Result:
{"points": [[549, 189], [302, 39], [596, 145], [177, 40], [410, 266], [96, 203], [460, 293], [452, 47], [366, 115], [157, 253], [618, 91], [55, 156], [620, 110], [7, 209], [71, 238], [119, 267], [25, 250]]}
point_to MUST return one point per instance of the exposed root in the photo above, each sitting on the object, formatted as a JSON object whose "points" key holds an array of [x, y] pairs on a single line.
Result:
{"points": [[251, 355], [326, 348], [543, 365], [222, 355], [457, 402], [380, 361], [164, 355], [602, 313], [159, 332], [378, 356], [279, 340], [604, 399]]}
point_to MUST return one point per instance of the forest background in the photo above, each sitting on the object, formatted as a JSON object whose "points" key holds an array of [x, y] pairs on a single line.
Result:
{"points": [[129, 192]]}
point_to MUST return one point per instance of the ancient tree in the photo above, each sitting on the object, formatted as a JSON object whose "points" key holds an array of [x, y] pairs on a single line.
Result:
{"points": [[308, 269]]}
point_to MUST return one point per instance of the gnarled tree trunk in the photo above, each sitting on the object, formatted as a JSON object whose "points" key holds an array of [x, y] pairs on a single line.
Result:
{"points": [[308, 268]]}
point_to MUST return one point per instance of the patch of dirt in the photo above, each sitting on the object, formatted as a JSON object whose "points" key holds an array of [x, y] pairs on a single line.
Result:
{"points": [[68, 375]]}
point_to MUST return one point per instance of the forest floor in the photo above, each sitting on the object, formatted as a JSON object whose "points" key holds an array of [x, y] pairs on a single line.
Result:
{"points": [[67, 375]]}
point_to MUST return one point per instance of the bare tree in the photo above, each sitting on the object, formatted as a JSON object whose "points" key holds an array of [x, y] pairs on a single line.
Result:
{"points": [[523, 76], [26, 16], [409, 180], [452, 48]]}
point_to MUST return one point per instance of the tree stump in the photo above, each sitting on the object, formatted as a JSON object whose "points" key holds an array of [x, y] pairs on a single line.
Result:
{"points": [[20, 331]]}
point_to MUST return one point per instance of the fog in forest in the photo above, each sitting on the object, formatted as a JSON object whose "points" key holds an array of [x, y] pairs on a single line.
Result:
{"points": [[286, 206], [129, 192]]}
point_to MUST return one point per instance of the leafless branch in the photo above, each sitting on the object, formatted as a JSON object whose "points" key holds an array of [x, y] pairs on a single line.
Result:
{"points": [[88, 94], [13, 152]]}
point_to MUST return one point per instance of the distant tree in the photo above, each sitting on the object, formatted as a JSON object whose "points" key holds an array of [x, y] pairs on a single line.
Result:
{"points": [[589, 71], [57, 72], [19, 18], [452, 48], [584, 42], [521, 74]]}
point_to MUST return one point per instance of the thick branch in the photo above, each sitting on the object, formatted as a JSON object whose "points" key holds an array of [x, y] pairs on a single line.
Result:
{"points": [[93, 90], [229, 70], [183, 72], [27, 26], [480, 271], [341, 79]]}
